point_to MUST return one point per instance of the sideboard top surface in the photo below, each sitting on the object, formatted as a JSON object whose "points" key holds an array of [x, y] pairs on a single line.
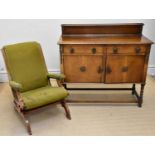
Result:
{"points": [[104, 40], [130, 33]]}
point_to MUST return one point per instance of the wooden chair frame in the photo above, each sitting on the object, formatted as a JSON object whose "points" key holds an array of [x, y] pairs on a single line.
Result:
{"points": [[19, 103], [19, 107]]}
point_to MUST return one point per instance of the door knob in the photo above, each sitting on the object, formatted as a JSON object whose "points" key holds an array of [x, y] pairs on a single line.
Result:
{"points": [[72, 50], [137, 50], [125, 69], [100, 69], [93, 50], [115, 50], [108, 70], [82, 68]]}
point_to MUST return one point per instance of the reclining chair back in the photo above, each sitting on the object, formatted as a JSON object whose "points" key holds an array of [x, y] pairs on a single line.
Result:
{"points": [[25, 64]]}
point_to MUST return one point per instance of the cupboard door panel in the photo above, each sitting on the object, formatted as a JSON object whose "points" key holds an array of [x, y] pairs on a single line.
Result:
{"points": [[125, 69], [84, 69]]}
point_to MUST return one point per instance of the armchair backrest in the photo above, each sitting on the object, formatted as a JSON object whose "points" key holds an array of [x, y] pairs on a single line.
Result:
{"points": [[25, 65]]}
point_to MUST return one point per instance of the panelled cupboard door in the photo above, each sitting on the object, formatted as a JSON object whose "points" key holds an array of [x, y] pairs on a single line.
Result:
{"points": [[83, 68], [125, 69]]}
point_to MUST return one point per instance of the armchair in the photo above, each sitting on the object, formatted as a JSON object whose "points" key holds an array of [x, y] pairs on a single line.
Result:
{"points": [[30, 81]]}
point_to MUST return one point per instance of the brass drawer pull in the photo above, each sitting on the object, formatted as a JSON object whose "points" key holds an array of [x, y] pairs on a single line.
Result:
{"points": [[93, 50], [72, 50], [115, 50], [82, 68], [125, 69], [108, 70], [100, 69], [137, 50]]}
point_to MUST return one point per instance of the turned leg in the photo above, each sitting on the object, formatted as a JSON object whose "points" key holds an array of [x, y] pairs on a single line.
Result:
{"points": [[26, 121], [133, 89], [140, 100], [67, 111]]}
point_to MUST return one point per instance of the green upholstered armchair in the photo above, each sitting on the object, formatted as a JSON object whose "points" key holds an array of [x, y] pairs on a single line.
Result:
{"points": [[30, 80]]}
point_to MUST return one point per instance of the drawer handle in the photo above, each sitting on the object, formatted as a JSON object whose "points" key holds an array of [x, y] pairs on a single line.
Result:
{"points": [[137, 50], [115, 50], [125, 69], [108, 70], [100, 69], [72, 50], [82, 68], [93, 50]]}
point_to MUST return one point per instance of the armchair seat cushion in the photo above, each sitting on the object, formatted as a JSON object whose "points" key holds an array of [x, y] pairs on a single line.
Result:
{"points": [[43, 96]]}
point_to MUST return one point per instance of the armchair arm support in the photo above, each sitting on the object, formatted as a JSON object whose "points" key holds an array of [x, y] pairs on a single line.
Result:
{"points": [[16, 86], [56, 76]]}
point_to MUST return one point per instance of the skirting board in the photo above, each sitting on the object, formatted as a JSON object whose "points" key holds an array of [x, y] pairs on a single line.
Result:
{"points": [[151, 70], [4, 76]]}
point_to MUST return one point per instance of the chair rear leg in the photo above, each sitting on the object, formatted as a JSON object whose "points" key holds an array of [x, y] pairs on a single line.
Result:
{"points": [[65, 106], [26, 121]]}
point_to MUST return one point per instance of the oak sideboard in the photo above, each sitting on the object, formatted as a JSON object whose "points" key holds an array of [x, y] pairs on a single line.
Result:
{"points": [[105, 53]]}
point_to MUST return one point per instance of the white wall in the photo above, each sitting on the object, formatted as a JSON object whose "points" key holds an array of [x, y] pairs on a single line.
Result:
{"points": [[47, 33]]}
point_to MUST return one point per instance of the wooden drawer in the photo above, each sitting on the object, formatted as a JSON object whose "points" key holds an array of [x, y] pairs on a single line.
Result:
{"points": [[127, 49], [83, 49]]}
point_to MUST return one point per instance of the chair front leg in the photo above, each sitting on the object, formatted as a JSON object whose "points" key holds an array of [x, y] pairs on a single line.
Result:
{"points": [[26, 121], [67, 111]]}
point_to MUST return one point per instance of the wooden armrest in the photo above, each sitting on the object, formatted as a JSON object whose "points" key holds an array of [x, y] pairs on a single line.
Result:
{"points": [[16, 86], [56, 76]]}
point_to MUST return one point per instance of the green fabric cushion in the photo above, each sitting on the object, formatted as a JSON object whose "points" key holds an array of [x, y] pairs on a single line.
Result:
{"points": [[26, 65], [56, 76], [42, 96], [15, 85]]}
